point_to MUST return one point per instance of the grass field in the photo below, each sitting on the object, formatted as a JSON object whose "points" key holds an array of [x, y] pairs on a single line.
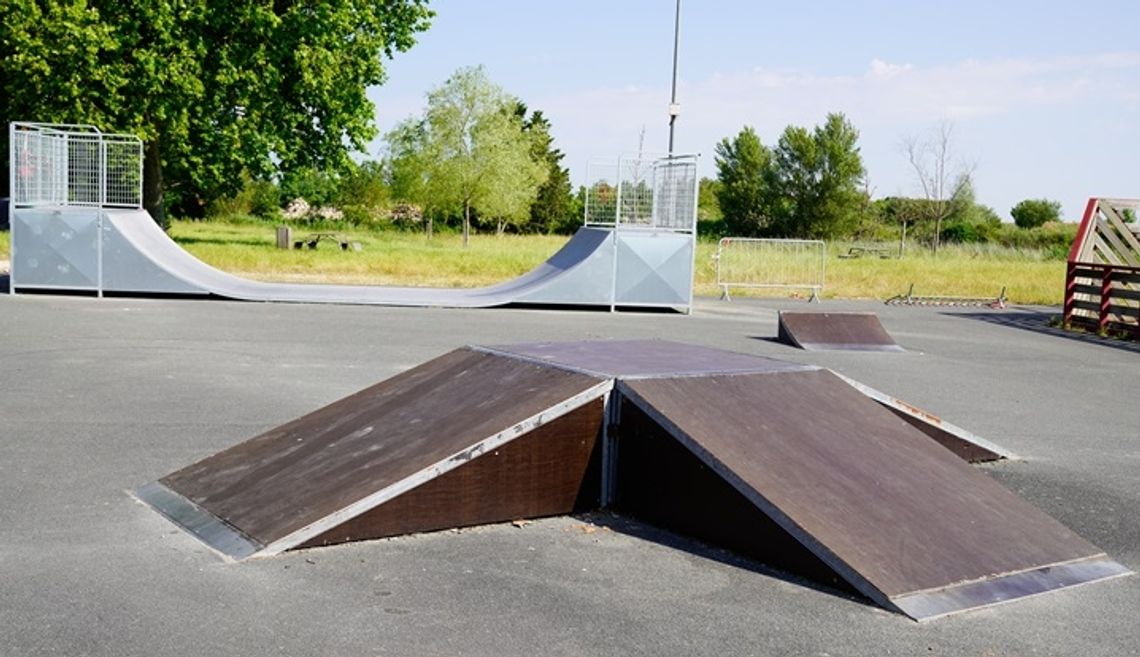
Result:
{"points": [[407, 258]]}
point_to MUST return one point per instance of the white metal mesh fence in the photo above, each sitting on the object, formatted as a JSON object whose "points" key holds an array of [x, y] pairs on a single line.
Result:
{"points": [[768, 263], [675, 195], [74, 165], [643, 192]]}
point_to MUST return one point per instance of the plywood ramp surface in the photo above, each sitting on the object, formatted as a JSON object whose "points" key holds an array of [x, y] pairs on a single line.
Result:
{"points": [[294, 475], [835, 331], [892, 511]]}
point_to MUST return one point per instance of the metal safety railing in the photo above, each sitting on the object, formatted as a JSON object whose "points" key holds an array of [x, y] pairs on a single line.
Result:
{"points": [[743, 262], [645, 192], [73, 165]]}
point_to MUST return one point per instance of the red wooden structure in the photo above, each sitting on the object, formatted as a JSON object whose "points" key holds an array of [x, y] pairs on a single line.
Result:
{"points": [[1102, 282]]}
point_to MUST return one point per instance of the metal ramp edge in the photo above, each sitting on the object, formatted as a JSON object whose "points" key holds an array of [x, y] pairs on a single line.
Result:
{"points": [[962, 442]]}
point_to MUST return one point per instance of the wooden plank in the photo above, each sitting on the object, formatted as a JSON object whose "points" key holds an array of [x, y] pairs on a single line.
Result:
{"points": [[814, 331], [1090, 306], [1127, 255], [552, 470], [1117, 222], [1105, 251], [883, 505], [303, 471], [661, 482]]}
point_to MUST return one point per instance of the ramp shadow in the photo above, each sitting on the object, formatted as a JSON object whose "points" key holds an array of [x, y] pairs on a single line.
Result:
{"points": [[1038, 321], [646, 531]]}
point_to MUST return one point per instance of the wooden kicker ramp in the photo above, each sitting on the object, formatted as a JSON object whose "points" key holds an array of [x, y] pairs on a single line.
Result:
{"points": [[787, 463], [815, 331]]}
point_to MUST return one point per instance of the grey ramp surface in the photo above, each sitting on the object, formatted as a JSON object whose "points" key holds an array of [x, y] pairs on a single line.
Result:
{"points": [[143, 259]]}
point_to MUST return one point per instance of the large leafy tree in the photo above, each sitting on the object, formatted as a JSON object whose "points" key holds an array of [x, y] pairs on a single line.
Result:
{"points": [[743, 167], [215, 89], [817, 180], [469, 153]]}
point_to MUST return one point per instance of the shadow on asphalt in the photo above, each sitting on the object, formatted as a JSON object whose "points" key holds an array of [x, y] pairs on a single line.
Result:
{"points": [[654, 534], [1038, 321]]}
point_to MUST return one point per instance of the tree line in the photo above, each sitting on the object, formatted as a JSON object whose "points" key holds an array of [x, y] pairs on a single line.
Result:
{"points": [[245, 107]]}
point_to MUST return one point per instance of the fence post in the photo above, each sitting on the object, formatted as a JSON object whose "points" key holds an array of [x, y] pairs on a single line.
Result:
{"points": [[1105, 297]]}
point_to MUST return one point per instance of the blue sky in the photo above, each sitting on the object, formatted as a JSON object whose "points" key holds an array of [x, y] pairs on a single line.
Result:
{"points": [[1043, 97]]}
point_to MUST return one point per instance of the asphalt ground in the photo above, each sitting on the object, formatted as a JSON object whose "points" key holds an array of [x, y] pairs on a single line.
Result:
{"points": [[99, 396]]}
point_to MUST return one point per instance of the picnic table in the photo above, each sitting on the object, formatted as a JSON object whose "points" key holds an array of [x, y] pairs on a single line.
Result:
{"points": [[314, 239]]}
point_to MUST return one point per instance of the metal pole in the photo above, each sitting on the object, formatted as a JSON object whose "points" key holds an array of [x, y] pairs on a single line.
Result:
{"points": [[674, 108]]}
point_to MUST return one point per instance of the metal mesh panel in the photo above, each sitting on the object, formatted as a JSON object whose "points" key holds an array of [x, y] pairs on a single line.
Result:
{"points": [[74, 166], [123, 171], [764, 263], [601, 195], [644, 192], [636, 192], [83, 168], [675, 194]]}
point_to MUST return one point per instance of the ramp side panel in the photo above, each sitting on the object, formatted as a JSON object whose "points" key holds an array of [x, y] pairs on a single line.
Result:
{"points": [[306, 470], [552, 470], [56, 248], [654, 269], [892, 506], [835, 331]]}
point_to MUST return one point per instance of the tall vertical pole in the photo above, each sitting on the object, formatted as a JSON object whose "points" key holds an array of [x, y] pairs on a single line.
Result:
{"points": [[674, 108]]}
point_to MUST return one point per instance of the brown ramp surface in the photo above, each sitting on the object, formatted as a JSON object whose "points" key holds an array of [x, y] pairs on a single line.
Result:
{"points": [[900, 518], [835, 331], [328, 476]]}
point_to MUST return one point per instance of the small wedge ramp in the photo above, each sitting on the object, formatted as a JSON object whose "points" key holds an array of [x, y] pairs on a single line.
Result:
{"points": [[835, 331], [784, 462], [897, 516], [520, 438]]}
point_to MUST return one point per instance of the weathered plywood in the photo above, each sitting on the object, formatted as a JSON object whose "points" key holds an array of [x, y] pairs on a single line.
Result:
{"points": [[301, 472], [552, 470], [835, 331], [888, 508]]}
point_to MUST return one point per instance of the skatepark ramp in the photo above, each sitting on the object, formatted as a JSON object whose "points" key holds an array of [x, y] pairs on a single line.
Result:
{"points": [[77, 225], [835, 332], [786, 463]]}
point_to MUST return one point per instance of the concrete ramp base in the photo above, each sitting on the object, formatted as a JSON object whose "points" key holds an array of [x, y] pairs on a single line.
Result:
{"points": [[789, 464], [835, 332]]}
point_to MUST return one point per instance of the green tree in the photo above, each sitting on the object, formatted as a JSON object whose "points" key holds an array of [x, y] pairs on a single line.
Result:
{"points": [[1032, 213], [553, 204], [817, 181], [707, 207], [468, 153], [214, 89], [743, 167]]}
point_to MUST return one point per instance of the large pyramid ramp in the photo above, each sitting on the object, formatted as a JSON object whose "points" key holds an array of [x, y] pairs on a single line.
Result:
{"points": [[901, 519], [834, 332], [470, 437]]}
